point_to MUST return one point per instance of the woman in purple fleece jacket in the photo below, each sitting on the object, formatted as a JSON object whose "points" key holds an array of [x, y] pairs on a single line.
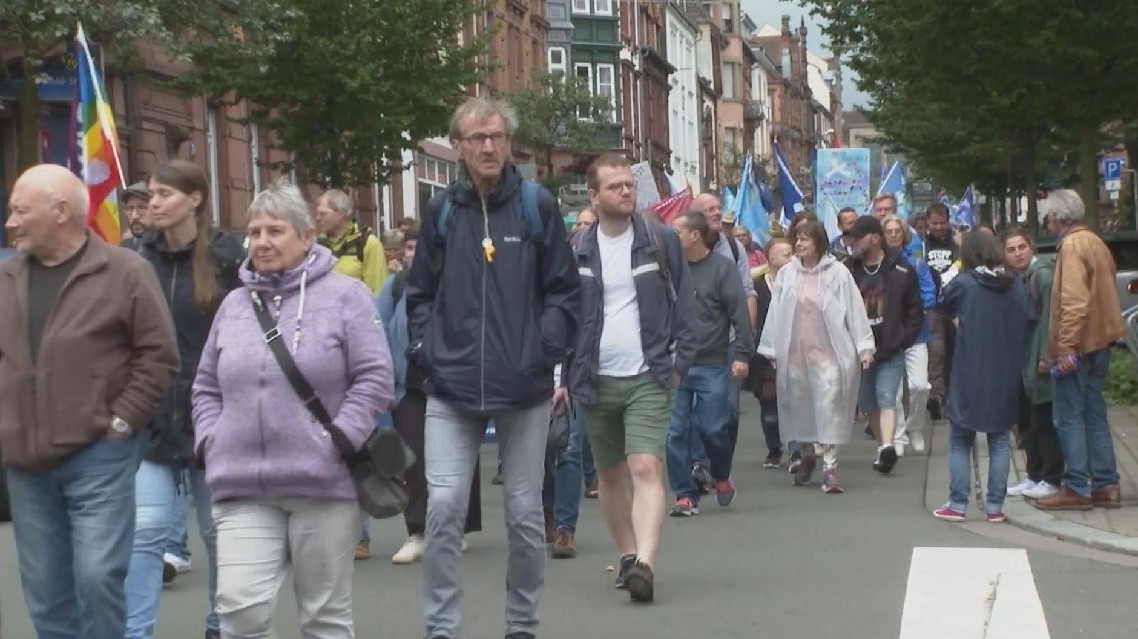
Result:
{"points": [[281, 495]]}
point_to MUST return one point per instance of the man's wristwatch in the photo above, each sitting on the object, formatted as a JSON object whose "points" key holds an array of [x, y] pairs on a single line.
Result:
{"points": [[120, 427]]}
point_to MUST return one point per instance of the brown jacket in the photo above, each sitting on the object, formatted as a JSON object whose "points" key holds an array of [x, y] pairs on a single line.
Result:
{"points": [[1085, 315], [107, 350]]}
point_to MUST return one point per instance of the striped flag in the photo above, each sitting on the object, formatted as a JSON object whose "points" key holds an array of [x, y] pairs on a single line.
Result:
{"points": [[98, 153], [673, 205]]}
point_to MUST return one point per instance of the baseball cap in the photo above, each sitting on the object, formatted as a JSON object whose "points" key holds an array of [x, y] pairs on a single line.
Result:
{"points": [[138, 189], [866, 225], [728, 217]]}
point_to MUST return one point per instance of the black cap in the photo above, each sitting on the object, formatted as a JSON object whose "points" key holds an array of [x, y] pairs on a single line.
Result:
{"points": [[866, 225]]}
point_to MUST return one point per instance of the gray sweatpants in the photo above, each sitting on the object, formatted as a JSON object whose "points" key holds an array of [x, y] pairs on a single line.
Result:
{"points": [[452, 441]]}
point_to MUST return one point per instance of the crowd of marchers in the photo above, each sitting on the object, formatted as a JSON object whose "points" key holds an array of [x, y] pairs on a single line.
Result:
{"points": [[132, 377]]}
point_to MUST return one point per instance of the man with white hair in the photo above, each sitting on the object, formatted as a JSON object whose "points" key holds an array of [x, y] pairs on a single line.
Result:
{"points": [[87, 353], [1084, 323]]}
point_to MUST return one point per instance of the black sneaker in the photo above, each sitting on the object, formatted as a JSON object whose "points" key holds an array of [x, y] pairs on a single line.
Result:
{"points": [[773, 460], [701, 475], [627, 562], [795, 462], [212, 634], [886, 459], [936, 409], [520, 635], [640, 583]]}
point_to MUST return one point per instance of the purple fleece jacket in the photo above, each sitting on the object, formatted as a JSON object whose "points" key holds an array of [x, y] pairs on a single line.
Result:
{"points": [[256, 438]]}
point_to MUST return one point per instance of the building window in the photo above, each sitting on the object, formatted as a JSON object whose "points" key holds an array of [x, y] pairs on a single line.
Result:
{"points": [[606, 86], [584, 73], [730, 81], [601, 7], [434, 176], [580, 6], [728, 18], [731, 138], [556, 59]]}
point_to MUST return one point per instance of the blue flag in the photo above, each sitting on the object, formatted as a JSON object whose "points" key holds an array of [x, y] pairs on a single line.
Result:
{"points": [[894, 183], [748, 207], [964, 216], [787, 188], [766, 197]]}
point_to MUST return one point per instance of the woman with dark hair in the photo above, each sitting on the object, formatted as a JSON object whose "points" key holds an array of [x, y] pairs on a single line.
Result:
{"points": [[819, 339], [990, 305], [197, 266]]}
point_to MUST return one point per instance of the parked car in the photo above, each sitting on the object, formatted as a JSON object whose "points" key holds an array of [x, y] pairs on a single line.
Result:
{"points": [[5, 506], [1123, 246]]}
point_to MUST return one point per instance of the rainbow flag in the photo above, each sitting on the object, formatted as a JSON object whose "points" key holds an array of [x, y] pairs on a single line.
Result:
{"points": [[98, 146]]}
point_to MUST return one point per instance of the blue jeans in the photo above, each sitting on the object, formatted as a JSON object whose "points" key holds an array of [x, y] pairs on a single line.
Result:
{"points": [[159, 490], [178, 541], [1080, 422], [73, 527], [700, 406], [588, 466], [960, 442], [155, 491], [567, 477], [732, 409]]}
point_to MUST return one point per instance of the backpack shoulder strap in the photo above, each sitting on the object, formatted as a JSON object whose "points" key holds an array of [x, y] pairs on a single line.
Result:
{"points": [[734, 246], [361, 243], [530, 212], [398, 283], [442, 221]]}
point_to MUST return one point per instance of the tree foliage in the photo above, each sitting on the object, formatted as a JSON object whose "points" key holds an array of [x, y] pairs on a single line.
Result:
{"points": [[992, 92], [346, 84], [559, 113], [37, 29]]}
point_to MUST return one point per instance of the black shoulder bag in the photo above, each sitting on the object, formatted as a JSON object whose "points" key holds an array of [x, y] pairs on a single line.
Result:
{"points": [[377, 468]]}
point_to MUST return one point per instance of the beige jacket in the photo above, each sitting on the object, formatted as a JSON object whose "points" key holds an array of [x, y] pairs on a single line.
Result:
{"points": [[1085, 315]]}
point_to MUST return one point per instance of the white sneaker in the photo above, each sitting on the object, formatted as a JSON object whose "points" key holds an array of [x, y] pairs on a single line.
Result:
{"points": [[1017, 490], [918, 441], [464, 545], [1042, 490], [182, 566], [411, 552], [900, 448]]}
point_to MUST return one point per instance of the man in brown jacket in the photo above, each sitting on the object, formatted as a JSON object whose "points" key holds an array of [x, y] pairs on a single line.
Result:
{"points": [[1085, 322], [86, 354]]}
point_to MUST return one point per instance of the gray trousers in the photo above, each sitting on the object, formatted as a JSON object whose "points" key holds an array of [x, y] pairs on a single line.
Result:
{"points": [[452, 441]]}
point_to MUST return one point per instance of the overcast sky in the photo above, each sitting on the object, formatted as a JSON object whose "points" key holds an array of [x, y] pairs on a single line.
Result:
{"points": [[771, 12]]}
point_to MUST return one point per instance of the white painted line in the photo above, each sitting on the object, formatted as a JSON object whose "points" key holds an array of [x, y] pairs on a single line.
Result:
{"points": [[972, 593]]}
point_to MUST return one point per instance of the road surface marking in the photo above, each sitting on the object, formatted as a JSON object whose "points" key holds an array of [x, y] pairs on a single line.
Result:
{"points": [[972, 593]]}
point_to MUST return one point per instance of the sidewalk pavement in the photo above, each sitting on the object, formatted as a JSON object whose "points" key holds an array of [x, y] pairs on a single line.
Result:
{"points": [[1111, 530]]}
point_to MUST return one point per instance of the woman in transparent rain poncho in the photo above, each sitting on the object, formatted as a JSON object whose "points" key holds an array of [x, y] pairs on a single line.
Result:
{"points": [[819, 339]]}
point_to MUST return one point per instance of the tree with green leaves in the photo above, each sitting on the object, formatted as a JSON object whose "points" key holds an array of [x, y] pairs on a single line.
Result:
{"points": [[38, 30], [559, 113], [993, 91], [348, 84]]}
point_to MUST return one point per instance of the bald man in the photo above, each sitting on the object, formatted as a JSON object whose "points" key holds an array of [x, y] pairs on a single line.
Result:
{"points": [[86, 355], [727, 246]]}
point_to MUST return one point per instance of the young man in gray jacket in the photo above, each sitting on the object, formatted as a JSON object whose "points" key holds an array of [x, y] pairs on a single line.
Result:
{"points": [[635, 341], [702, 401]]}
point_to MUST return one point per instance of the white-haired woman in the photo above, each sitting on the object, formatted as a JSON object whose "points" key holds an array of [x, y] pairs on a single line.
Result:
{"points": [[281, 492]]}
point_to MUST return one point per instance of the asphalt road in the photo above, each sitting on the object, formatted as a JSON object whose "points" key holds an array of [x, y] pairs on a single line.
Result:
{"points": [[783, 561]]}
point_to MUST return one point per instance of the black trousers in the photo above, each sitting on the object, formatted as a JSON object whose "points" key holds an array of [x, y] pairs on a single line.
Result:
{"points": [[1039, 442], [410, 417]]}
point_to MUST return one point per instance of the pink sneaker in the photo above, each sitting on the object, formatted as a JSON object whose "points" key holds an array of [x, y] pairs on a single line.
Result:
{"points": [[996, 518], [947, 513]]}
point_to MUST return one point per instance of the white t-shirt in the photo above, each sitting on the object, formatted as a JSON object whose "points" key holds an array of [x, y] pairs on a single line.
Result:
{"points": [[621, 354]]}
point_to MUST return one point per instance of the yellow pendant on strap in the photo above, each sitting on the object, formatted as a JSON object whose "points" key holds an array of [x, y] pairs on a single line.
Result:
{"points": [[488, 249]]}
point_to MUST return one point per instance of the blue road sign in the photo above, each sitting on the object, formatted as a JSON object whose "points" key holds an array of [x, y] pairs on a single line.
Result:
{"points": [[1112, 168]]}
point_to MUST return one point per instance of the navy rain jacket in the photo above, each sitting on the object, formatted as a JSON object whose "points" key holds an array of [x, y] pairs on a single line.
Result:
{"points": [[489, 334]]}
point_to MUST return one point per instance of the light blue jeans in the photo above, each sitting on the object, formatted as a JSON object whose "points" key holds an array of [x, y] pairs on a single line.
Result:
{"points": [[73, 527], [960, 443], [450, 451], [178, 541]]}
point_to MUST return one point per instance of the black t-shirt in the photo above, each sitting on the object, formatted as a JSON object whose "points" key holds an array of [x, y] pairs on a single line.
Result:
{"points": [[44, 286], [871, 282], [940, 254]]}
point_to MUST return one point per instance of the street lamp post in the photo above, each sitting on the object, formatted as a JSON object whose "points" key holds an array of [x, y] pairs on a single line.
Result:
{"points": [[1133, 194]]}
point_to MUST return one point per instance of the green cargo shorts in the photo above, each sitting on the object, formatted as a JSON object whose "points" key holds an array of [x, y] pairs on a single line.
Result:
{"points": [[631, 415]]}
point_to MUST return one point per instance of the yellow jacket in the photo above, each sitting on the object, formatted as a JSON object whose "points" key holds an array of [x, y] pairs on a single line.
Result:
{"points": [[372, 269]]}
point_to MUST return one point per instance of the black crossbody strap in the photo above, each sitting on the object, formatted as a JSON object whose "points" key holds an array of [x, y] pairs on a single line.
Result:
{"points": [[296, 378]]}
